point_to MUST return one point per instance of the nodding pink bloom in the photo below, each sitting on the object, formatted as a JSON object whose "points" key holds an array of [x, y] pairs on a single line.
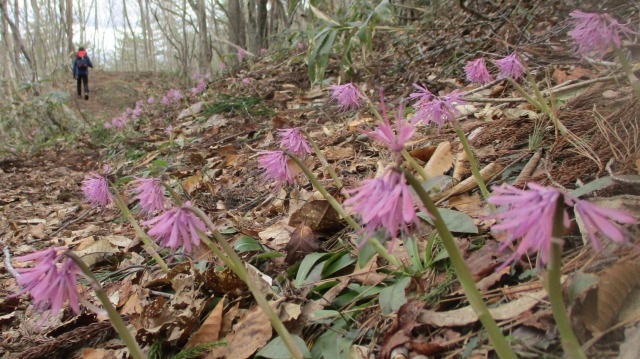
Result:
{"points": [[263, 51], [440, 109], [107, 125], [384, 203], [292, 139], [138, 104], [200, 87], [168, 130], [601, 220], [174, 95], [348, 96], [476, 71], [96, 190], [151, 100], [529, 214], [118, 122], [247, 80], [51, 281], [276, 167], [136, 113], [222, 66], [510, 66], [302, 45], [241, 54], [177, 227], [106, 168], [150, 193], [384, 133], [596, 33], [423, 95], [12, 150], [165, 100]]}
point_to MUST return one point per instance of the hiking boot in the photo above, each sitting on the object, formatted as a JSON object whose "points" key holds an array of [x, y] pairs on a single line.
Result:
{"points": [[86, 96]]}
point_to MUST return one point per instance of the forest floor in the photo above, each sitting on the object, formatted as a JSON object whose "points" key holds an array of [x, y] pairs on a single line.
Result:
{"points": [[339, 308]]}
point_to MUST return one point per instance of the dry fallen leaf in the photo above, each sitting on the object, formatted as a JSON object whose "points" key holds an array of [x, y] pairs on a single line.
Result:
{"points": [[303, 241], [209, 331], [466, 315], [441, 161]]}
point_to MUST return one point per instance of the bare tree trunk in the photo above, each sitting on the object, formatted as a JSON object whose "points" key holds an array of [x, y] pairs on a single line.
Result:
{"points": [[236, 24], [145, 36], [204, 50], [133, 35], [9, 73], [69, 23], [18, 40]]}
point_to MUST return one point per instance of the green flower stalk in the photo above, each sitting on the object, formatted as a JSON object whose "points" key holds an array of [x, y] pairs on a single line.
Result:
{"points": [[553, 283], [500, 344], [338, 208], [233, 261], [114, 317]]}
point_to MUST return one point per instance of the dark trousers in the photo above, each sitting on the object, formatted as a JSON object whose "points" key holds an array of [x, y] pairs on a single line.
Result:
{"points": [[83, 79]]}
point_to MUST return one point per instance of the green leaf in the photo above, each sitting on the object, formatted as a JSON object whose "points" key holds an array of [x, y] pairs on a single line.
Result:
{"points": [[365, 253], [456, 221], [272, 254], [595, 185], [411, 245], [306, 266], [123, 180], [229, 230], [392, 297], [337, 262], [276, 349], [321, 15], [247, 244]]}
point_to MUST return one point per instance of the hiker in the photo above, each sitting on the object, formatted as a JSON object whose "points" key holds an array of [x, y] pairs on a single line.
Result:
{"points": [[81, 71]]}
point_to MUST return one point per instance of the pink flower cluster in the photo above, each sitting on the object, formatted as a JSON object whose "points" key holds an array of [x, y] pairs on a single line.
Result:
{"points": [[597, 33], [129, 114], [348, 96], [172, 95], [385, 203], [508, 67], [201, 83], [96, 190], [292, 139], [177, 228], [241, 54], [150, 194], [384, 133], [529, 215], [437, 109], [51, 280]]}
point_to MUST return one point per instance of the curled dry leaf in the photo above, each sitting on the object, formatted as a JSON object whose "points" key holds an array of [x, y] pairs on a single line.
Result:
{"points": [[441, 161], [600, 307], [303, 241], [209, 331]]}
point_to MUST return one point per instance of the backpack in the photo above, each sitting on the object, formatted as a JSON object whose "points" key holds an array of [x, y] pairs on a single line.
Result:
{"points": [[83, 63]]}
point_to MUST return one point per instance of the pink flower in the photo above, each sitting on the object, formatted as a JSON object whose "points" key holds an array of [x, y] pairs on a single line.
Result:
{"points": [[222, 66], [476, 71], [384, 203], [177, 227], [596, 33], [601, 220], [168, 130], [529, 214], [151, 100], [107, 125], [276, 167], [439, 109], [200, 87], [247, 81], [511, 66], [96, 190], [241, 54], [51, 281], [293, 140], [150, 193], [384, 133], [423, 95], [348, 96], [263, 51]]}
